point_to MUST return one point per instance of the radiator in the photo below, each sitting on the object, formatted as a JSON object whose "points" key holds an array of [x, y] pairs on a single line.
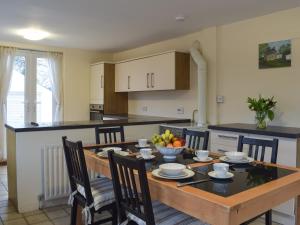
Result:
{"points": [[55, 177]]}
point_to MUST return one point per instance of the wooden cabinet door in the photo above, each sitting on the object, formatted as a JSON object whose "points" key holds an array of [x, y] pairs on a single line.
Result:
{"points": [[97, 84], [162, 71]]}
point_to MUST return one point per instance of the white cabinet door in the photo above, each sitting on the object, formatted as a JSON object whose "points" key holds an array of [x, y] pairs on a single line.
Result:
{"points": [[162, 71], [97, 84]]}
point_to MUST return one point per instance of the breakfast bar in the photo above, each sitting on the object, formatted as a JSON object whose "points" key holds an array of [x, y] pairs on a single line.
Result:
{"points": [[36, 160]]}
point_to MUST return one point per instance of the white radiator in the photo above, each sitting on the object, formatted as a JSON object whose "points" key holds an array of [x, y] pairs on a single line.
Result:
{"points": [[55, 178]]}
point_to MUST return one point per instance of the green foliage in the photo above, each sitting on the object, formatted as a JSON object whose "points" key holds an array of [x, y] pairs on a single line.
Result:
{"points": [[262, 106]]}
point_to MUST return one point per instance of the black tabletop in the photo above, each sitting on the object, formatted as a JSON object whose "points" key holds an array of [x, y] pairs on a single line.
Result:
{"points": [[245, 176]]}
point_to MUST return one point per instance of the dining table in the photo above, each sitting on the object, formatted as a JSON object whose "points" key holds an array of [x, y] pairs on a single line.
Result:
{"points": [[254, 189]]}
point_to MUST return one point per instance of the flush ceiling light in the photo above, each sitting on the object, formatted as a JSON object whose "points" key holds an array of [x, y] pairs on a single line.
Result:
{"points": [[33, 34], [180, 18]]}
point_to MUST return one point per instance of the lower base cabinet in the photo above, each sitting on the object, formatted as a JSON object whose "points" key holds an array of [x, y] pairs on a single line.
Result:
{"points": [[222, 141]]}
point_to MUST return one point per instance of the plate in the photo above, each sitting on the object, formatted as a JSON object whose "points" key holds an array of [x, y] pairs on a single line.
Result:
{"points": [[112, 148], [151, 157], [208, 159], [214, 175], [104, 155], [146, 146], [188, 174], [244, 161], [182, 174]]}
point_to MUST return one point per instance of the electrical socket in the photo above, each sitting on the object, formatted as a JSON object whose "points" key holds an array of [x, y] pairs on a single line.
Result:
{"points": [[145, 108], [220, 99], [180, 110]]}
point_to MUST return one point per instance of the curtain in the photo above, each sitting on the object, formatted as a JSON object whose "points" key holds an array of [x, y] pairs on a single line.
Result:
{"points": [[55, 65], [7, 55]]}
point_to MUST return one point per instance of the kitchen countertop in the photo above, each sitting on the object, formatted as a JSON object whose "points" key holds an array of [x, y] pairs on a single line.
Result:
{"points": [[109, 121], [277, 131]]}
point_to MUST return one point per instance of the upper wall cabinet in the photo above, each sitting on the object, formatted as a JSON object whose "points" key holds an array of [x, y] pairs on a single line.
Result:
{"points": [[166, 71], [97, 84]]}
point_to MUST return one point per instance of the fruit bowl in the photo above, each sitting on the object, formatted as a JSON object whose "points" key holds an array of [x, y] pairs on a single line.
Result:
{"points": [[169, 153]]}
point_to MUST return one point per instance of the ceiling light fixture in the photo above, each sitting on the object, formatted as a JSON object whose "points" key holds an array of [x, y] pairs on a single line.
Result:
{"points": [[33, 34], [180, 18]]}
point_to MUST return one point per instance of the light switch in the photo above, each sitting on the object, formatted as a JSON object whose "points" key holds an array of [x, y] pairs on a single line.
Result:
{"points": [[220, 99]]}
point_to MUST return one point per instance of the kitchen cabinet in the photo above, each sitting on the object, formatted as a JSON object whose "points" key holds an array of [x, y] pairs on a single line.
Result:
{"points": [[97, 84], [102, 89], [222, 141], [165, 71]]}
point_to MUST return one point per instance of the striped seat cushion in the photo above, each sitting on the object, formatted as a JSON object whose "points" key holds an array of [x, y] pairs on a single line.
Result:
{"points": [[102, 191], [165, 215]]}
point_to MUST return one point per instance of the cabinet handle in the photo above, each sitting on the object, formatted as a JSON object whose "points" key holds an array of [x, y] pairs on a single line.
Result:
{"points": [[128, 82], [147, 80], [101, 81], [227, 137], [152, 80]]}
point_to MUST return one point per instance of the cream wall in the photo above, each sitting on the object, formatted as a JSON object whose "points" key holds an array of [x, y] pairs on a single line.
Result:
{"points": [[232, 54], [76, 70], [238, 73]]}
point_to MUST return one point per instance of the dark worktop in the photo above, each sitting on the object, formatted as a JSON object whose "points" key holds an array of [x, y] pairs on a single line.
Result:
{"points": [[117, 120], [277, 131]]}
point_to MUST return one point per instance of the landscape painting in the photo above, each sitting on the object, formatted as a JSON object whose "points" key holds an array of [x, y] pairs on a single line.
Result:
{"points": [[275, 54]]}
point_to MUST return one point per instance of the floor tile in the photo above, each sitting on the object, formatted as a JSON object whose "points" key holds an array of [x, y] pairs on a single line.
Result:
{"points": [[45, 223], [37, 218], [16, 222], [11, 216], [61, 221], [33, 213], [55, 208], [57, 214]]}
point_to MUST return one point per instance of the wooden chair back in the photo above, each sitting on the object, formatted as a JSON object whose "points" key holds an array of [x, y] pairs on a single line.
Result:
{"points": [[77, 170], [123, 172], [258, 147], [110, 134], [195, 137]]}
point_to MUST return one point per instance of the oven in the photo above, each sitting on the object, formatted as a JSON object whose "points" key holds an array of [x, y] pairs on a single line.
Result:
{"points": [[96, 112]]}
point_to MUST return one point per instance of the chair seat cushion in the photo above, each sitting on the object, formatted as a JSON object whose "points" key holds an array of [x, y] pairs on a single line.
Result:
{"points": [[165, 215], [102, 191]]}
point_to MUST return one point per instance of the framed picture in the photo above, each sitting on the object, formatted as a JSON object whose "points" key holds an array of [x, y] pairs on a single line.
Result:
{"points": [[275, 54]]}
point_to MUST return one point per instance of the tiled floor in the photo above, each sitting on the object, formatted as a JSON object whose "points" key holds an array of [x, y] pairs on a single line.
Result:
{"points": [[50, 216]]}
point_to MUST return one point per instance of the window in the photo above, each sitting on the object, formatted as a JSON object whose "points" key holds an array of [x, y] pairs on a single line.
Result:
{"points": [[30, 96]]}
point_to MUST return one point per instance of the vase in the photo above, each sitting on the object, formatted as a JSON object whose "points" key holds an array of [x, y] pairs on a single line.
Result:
{"points": [[261, 122]]}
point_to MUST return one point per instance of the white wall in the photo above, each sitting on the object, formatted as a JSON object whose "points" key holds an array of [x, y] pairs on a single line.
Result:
{"points": [[76, 70]]}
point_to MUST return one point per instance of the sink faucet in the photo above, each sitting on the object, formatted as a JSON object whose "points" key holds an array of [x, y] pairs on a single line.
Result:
{"points": [[193, 118]]}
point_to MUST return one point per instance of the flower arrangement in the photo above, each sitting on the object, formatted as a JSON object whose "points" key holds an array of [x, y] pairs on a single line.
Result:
{"points": [[263, 107]]}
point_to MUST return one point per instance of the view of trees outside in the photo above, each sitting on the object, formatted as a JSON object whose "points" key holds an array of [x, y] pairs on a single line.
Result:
{"points": [[16, 96]]}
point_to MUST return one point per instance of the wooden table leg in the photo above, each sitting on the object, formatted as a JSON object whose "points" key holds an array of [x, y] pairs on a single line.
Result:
{"points": [[79, 216], [298, 210]]}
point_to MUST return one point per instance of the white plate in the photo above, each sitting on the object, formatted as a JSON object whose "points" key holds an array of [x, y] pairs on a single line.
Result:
{"points": [[208, 159], [151, 157], [214, 175], [189, 174], [243, 161], [112, 148], [103, 155], [180, 175], [146, 146]]}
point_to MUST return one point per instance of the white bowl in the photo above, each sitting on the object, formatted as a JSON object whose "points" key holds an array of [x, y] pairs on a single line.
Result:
{"points": [[171, 168], [115, 149], [235, 155], [169, 153]]}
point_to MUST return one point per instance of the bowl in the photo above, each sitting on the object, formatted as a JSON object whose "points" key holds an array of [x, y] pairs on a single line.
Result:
{"points": [[169, 153], [115, 149], [235, 155], [171, 169]]}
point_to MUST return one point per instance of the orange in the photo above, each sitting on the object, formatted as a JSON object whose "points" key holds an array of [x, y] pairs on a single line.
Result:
{"points": [[169, 145], [177, 143]]}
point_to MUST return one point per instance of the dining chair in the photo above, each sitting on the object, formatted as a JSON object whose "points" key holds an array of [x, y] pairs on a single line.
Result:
{"points": [[109, 134], [96, 196], [260, 146], [194, 138], [129, 176]]}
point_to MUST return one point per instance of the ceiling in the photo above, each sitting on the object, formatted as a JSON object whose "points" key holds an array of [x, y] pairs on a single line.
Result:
{"points": [[115, 25]]}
